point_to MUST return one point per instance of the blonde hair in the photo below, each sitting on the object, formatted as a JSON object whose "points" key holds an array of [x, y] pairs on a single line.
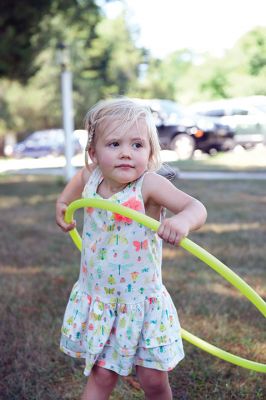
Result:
{"points": [[129, 112]]}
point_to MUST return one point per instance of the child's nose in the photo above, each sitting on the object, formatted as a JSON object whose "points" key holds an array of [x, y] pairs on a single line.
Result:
{"points": [[125, 151]]}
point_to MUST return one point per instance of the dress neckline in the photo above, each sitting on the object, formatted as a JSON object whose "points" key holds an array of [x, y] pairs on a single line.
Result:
{"points": [[114, 194], [100, 179]]}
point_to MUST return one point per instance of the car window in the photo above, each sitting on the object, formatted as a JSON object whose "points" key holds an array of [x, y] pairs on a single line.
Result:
{"points": [[45, 138], [261, 107], [163, 108], [239, 111], [171, 107], [219, 112]]}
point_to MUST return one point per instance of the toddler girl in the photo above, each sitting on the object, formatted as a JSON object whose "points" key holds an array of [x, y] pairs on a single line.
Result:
{"points": [[119, 314]]}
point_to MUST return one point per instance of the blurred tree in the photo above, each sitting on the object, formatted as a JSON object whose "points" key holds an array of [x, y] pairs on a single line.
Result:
{"points": [[26, 30], [247, 62], [205, 79], [35, 105], [104, 63], [163, 77], [241, 71], [216, 81], [5, 114], [253, 45], [109, 67]]}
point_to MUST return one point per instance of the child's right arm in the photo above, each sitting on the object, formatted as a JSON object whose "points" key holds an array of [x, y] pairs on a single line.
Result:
{"points": [[71, 192]]}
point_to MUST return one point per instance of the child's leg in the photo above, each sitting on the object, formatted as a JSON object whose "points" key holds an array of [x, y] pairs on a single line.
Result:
{"points": [[100, 384], [154, 383]]}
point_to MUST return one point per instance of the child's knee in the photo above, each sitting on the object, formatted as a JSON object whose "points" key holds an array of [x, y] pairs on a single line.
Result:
{"points": [[104, 377], [151, 380]]}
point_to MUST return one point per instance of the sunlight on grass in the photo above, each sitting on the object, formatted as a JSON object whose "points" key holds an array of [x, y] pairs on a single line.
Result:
{"points": [[240, 158], [40, 199], [237, 160], [11, 270], [8, 202], [224, 290], [170, 253], [232, 227]]}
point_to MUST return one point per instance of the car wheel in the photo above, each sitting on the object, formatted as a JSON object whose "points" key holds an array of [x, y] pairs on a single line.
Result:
{"points": [[183, 145]]}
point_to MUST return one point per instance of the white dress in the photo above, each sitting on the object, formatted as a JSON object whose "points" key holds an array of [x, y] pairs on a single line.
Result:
{"points": [[119, 313]]}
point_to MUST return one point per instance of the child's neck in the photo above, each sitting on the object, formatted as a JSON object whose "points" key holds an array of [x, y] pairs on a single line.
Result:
{"points": [[107, 189]]}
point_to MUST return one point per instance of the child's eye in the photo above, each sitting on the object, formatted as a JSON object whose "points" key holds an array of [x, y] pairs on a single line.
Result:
{"points": [[137, 145], [113, 144]]}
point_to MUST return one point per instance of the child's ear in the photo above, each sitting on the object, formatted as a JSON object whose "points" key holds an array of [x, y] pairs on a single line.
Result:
{"points": [[92, 154]]}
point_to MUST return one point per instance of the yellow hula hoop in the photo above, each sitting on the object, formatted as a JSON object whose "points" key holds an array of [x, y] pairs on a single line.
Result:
{"points": [[198, 252]]}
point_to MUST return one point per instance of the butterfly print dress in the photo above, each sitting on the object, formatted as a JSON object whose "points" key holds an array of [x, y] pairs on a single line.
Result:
{"points": [[119, 313]]}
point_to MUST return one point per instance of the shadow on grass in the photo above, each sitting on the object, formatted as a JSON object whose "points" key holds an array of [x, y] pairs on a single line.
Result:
{"points": [[39, 265], [25, 186]]}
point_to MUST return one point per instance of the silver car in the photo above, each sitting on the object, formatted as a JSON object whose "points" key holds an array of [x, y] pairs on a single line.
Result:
{"points": [[247, 116]]}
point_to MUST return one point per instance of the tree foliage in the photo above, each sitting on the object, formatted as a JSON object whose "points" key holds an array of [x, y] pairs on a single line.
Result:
{"points": [[241, 71], [110, 65], [253, 45], [103, 59], [163, 77], [26, 29], [105, 62]]}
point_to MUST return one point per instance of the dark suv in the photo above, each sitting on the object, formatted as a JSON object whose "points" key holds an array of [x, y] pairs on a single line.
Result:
{"points": [[184, 132]]}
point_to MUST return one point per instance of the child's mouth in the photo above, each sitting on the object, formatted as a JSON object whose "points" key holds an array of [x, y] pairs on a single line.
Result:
{"points": [[124, 166]]}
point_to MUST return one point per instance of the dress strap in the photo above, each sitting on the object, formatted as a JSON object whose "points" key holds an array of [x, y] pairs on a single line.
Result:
{"points": [[138, 184], [138, 188], [93, 183]]}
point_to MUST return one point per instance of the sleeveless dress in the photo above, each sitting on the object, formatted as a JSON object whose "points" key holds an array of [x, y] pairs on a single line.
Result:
{"points": [[119, 313]]}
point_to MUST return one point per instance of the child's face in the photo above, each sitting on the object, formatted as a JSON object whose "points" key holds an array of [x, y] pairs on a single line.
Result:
{"points": [[122, 153]]}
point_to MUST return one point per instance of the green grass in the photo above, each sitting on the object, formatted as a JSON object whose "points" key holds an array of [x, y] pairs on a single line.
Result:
{"points": [[253, 160], [39, 265]]}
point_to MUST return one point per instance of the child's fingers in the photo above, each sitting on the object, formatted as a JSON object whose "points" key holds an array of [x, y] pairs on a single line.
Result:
{"points": [[169, 234], [60, 218], [177, 240], [66, 227], [164, 232], [173, 238]]}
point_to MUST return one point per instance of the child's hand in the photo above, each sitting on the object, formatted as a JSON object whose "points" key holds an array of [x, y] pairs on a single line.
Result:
{"points": [[173, 230], [60, 217]]}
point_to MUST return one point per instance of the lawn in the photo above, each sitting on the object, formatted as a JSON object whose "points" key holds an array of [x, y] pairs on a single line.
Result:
{"points": [[238, 160], [39, 265]]}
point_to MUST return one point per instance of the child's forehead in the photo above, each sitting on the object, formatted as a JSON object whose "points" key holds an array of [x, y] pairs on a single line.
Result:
{"points": [[119, 127]]}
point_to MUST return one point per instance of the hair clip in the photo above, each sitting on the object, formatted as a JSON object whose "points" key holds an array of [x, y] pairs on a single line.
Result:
{"points": [[90, 137]]}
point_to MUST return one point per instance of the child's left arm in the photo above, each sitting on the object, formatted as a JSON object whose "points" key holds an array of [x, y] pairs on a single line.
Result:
{"points": [[190, 214]]}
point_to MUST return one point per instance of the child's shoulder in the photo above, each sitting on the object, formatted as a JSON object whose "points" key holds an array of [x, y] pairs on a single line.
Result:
{"points": [[87, 172], [152, 178], [152, 182]]}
